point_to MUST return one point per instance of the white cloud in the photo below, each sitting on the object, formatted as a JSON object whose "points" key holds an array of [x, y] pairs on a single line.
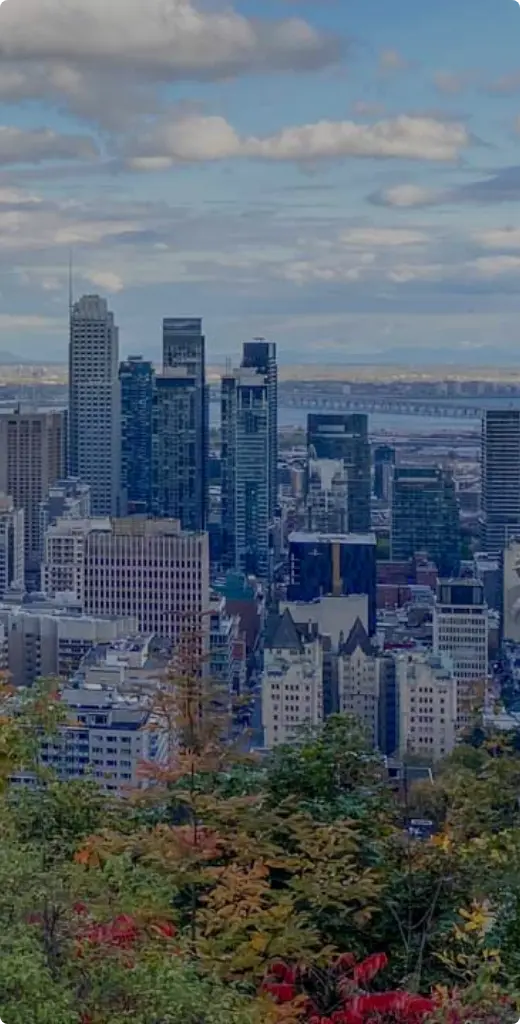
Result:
{"points": [[500, 238], [392, 60], [104, 279], [196, 138], [384, 237], [495, 266], [407, 196], [171, 39], [34, 146]]}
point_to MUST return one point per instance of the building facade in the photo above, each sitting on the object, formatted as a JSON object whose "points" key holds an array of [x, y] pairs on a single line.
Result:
{"points": [[137, 381], [260, 355], [425, 517], [326, 503], [333, 564], [34, 447], [95, 403], [511, 592], [184, 349], [427, 702], [345, 436], [500, 459], [12, 547], [460, 630], [66, 499], [63, 564], [176, 465], [384, 461], [292, 681], [358, 681]]}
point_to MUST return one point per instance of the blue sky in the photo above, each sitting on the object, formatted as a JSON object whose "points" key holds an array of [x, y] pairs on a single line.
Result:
{"points": [[341, 177]]}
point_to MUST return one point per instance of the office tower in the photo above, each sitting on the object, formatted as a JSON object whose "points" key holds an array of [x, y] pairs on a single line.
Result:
{"points": [[323, 564], [292, 680], [460, 630], [184, 349], [246, 470], [33, 443], [260, 355], [326, 496], [66, 499], [63, 564], [511, 592], [358, 681], [137, 380], [384, 460], [177, 449], [152, 571], [500, 478], [427, 705], [12, 546], [95, 402], [425, 517], [345, 436]]}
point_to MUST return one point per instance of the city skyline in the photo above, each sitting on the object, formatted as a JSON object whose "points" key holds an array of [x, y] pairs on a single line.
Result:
{"points": [[336, 215]]}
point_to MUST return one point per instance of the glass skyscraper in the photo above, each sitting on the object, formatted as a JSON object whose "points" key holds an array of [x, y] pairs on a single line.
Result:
{"points": [[137, 379], [425, 517], [345, 436]]}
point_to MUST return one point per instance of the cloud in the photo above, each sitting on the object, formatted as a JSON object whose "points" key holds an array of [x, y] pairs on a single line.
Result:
{"points": [[166, 39], [105, 279], [392, 60], [506, 85], [18, 146], [406, 196], [383, 237], [451, 83], [194, 139], [500, 238]]}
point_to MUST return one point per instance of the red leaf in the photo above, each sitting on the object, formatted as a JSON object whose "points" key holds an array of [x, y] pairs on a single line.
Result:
{"points": [[368, 969]]}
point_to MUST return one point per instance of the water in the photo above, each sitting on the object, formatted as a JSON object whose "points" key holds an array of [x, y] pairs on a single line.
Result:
{"points": [[379, 422]]}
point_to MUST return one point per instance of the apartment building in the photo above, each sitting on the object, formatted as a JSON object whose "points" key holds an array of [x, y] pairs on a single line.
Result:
{"points": [[358, 681], [460, 630], [292, 683], [427, 704]]}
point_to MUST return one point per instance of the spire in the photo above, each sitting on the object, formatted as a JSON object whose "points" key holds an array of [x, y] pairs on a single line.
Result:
{"points": [[71, 297]]}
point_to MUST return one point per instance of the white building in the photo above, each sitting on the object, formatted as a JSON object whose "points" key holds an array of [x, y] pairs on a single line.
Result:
{"points": [[95, 403], [107, 737], [427, 704], [460, 630], [12, 546], [292, 683], [45, 640], [358, 681], [66, 499], [63, 565]]}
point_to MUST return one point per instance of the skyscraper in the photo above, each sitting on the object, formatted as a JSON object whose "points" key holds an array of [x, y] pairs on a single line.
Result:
{"points": [[177, 489], [384, 460], [137, 378], [460, 629], [184, 349], [425, 517], [95, 402], [500, 478], [333, 564], [33, 443], [260, 355], [345, 436]]}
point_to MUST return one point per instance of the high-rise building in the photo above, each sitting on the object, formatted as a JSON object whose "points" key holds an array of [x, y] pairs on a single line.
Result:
{"points": [[152, 571], [177, 449], [460, 630], [510, 603], [345, 436], [326, 499], [66, 499], [33, 443], [260, 355], [427, 703], [12, 546], [137, 379], [500, 478], [246, 471], [425, 517], [322, 564], [292, 682], [384, 460], [184, 349], [95, 403]]}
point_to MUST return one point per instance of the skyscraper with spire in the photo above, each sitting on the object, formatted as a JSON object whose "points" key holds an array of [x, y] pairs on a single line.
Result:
{"points": [[94, 428]]}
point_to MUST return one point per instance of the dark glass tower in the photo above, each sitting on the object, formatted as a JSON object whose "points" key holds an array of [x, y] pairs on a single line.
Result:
{"points": [[176, 484], [345, 436], [425, 517], [260, 355], [322, 564], [137, 379], [184, 351]]}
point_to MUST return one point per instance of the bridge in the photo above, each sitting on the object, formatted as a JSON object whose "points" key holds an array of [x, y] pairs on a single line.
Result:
{"points": [[470, 408]]}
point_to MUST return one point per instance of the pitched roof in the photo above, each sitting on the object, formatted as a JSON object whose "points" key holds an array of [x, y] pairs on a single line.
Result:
{"points": [[282, 631], [358, 637]]}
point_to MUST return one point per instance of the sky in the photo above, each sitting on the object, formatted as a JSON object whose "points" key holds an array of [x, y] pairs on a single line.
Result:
{"points": [[339, 176]]}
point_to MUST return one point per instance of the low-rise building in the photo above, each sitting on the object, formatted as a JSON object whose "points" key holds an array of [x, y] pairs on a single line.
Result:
{"points": [[358, 681]]}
